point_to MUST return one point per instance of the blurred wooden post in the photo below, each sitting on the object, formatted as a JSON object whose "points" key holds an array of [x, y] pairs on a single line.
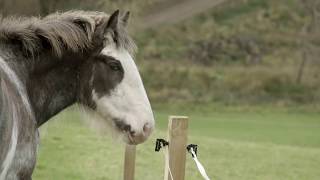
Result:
{"points": [[177, 137], [129, 162]]}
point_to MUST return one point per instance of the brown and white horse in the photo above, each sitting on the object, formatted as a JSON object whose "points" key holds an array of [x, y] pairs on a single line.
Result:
{"points": [[50, 63]]}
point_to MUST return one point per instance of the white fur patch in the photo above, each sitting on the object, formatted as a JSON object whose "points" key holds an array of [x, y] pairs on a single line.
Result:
{"points": [[128, 101]]}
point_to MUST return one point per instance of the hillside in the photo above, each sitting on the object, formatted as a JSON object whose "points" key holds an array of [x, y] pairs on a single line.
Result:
{"points": [[248, 51]]}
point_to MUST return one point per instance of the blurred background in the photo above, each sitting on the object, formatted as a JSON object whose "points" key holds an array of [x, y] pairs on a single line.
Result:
{"points": [[247, 73]]}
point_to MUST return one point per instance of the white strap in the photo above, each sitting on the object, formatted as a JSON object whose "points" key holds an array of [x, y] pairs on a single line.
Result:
{"points": [[199, 165], [166, 155]]}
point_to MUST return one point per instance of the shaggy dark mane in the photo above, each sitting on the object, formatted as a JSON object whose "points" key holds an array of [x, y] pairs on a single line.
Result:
{"points": [[72, 30]]}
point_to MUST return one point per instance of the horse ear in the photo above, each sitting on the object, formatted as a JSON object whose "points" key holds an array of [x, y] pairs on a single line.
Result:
{"points": [[113, 21], [125, 18]]}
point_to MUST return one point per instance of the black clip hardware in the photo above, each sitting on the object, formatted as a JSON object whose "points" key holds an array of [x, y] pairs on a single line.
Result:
{"points": [[194, 147], [161, 143]]}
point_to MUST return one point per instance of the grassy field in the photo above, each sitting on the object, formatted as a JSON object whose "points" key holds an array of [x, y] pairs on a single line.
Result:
{"points": [[234, 144]]}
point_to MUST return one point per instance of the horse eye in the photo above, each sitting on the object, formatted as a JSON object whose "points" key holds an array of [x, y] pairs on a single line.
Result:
{"points": [[115, 66]]}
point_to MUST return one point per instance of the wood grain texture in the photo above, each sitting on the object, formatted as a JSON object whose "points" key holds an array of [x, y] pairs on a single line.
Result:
{"points": [[129, 162], [178, 137]]}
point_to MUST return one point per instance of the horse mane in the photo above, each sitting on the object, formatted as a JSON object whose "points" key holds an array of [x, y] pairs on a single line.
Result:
{"points": [[71, 30]]}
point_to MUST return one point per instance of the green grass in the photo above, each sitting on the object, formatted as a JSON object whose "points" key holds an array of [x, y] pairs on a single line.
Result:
{"points": [[234, 144]]}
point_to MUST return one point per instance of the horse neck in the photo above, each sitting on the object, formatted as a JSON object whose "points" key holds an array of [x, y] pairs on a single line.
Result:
{"points": [[53, 85]]}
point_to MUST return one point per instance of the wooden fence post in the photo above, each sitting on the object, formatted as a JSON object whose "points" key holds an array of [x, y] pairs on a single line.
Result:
{"points": [[129, 162], [177, 137]]}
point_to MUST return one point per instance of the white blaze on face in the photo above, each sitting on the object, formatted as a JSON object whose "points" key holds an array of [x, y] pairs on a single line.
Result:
{"points": [[128, 101]]}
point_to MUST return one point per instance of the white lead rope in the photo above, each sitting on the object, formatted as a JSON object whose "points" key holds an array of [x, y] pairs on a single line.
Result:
{"points": [[199, 165], [166, 155]]}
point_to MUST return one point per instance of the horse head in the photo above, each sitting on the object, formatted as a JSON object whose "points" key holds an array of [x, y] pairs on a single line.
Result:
{"points": [[112, 87]]}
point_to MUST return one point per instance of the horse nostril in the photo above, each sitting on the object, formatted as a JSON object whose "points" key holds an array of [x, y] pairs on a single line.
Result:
{"points": [[132, 133], [147, 129], [127, 128]]}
